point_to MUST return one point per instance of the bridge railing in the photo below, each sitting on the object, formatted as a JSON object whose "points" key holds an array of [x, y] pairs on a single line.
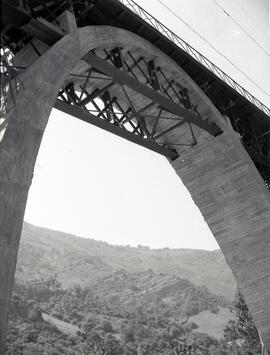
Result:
{"points": [[152, 21]]}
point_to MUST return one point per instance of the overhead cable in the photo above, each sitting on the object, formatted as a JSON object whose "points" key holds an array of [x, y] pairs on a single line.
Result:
{"points": [[213, 47]]}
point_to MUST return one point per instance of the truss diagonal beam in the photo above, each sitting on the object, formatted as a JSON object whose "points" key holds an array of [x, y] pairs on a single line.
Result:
{"points": [[123, 78], [78, 112]]}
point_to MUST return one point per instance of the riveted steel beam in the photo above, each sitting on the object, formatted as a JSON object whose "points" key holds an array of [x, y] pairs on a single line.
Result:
{"points": [[78, 112], [123, 78]]}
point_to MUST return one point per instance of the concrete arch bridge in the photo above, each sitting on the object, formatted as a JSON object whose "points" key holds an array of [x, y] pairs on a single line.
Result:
{"points": [[114, 66]]}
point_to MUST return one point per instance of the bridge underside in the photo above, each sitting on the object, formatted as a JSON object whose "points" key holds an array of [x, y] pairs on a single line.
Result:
{"points": [[120, 82], [41, 24]]}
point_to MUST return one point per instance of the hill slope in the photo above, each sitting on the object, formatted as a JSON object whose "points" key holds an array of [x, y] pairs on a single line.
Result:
{"points": [[121, 313], [44, 252]]}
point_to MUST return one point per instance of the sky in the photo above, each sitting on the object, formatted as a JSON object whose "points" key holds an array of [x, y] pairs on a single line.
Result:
{"points": [[91, 183]]}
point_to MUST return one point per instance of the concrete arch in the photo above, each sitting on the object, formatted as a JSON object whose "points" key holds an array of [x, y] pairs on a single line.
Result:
{"points": [[219, 174]]}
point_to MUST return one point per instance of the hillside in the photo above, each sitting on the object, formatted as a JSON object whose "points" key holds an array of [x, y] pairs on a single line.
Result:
{"points": [[82, 261], [121, 314], [79, 296]]}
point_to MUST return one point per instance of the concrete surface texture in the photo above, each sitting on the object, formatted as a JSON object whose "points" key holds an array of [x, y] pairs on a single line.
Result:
{"points": [[235, 203]]}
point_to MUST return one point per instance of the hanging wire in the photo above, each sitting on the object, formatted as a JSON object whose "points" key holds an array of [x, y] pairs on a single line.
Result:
{"points": [[212, 46], [242, 28]]}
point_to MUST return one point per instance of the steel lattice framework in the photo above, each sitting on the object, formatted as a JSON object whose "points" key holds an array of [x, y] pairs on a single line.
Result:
{"points": [[104, 110]]}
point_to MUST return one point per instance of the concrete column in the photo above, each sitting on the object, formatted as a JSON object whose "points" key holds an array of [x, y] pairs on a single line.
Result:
{"points": [[19, 146], [68, 21], [18, 151], [235, 203]]}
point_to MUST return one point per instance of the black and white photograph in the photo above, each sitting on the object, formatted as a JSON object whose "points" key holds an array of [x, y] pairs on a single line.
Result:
{"points": [[135, 177]]}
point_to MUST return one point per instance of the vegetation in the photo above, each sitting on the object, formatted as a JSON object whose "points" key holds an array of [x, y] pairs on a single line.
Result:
{"points": [[143, 313], [242, 330], [77, 296]]}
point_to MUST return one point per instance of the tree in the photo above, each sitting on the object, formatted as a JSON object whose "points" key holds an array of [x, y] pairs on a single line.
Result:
{"points": [[127, 335], [106, 326], [112, 345], [243, 328]]}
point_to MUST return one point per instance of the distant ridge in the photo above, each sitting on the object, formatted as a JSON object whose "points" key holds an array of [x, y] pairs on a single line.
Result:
{"points": [[76, 260]]}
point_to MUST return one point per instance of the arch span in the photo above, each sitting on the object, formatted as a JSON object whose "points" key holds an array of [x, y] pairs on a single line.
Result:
{"points": [[219, 174]]}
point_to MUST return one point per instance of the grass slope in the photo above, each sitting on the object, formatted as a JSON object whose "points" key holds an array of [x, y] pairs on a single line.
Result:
{"points": [[211, 323], [76, 260]]}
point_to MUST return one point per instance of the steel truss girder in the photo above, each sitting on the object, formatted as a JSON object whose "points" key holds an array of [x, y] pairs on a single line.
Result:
{"points": [[123, 78], [114, 114], [81, 114], [128, 120]]}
